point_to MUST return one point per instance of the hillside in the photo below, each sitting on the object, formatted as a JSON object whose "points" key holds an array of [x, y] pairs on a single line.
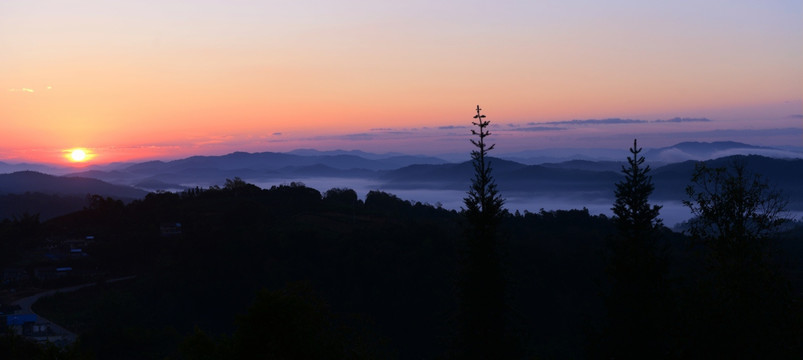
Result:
{"points": [[31, 181], [383, 269]]}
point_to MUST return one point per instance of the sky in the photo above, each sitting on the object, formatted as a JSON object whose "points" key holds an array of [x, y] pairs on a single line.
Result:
{"points": [[138, 80]]}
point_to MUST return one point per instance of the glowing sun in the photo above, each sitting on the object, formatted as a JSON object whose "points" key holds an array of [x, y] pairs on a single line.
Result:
{"points": [[78, 155]]}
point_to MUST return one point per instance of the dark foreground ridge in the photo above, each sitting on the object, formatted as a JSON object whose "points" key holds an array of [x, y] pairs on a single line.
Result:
{"points": [[378, 273]]}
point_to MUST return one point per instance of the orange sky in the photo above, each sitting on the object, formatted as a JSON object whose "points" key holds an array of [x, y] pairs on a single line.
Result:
{"points": [[163, 79]]}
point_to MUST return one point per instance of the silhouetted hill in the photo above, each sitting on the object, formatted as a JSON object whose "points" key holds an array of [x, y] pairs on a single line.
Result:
{"points": [[786, 174], [209, 170], [50, 196], [384, 266], [6, 168], [275, 161], [46, 206], [31, 181], [446, 176], [385, 260], [587, 165], [401, 159], [554, 181], [320, 170], [713, 150], [509, 175], [592, 180], [114, 176]]}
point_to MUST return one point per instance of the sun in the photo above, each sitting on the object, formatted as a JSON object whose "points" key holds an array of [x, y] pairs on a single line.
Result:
{"points": [[78, 155]]}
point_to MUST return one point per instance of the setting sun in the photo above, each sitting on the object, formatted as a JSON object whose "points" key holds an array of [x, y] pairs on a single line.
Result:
{"points": [[78, 155]]}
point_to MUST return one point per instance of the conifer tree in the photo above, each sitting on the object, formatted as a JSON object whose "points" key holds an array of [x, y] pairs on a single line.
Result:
{"points": [[634, 216], [637, 301], [481, 324], [483, 204]]}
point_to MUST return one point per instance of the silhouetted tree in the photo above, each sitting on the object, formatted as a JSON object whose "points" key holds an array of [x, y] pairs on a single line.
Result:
{"points": [[240, 188], [736, 213], [637, 268], [743, 307], [341, 195], [481, 314], [635, 218], [483, 204]]}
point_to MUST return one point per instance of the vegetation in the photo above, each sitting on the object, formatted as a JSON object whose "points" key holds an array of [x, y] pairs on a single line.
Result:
{"points": [[742, 305], [637, 304], [481, 332]]}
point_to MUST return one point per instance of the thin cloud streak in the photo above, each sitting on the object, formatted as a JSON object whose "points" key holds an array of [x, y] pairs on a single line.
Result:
{"points": [[683, 120], [536, 128], [611, 121]]}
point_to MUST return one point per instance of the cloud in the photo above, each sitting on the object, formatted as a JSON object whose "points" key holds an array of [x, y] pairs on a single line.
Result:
{"points": [[277, 134], [358, 136], [680, 120], [28, 90], [594, 122], [538, 128], [452, 127], [381, 129], [616, 121], [795, 116], [365, 136]]}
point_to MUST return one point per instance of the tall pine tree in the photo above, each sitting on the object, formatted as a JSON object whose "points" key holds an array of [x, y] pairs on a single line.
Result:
{"points": [[481, 332], [637, 302], [635, 217]]}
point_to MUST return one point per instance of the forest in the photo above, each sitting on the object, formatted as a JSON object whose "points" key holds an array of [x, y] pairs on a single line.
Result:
{"points": [[288, 272]]}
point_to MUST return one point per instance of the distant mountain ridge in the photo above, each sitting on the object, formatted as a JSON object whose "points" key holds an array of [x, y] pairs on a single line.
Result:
{"points": [[36, 182], [583, 180], [208, 170], [708, 151], [665, 155], [593, 180], [6, 168]]}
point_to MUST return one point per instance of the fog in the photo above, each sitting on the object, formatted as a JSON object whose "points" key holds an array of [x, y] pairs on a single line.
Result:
{"points": [[672, 213]]}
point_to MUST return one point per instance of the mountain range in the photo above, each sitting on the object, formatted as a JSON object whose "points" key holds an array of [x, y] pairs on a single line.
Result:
{"points": [[516, 175]]}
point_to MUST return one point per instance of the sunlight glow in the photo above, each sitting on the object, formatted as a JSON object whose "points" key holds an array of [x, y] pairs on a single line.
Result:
{"points": [[78, 155]]}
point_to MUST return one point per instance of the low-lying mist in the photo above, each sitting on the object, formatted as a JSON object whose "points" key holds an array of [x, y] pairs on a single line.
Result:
{"points": [[672, 213]]}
